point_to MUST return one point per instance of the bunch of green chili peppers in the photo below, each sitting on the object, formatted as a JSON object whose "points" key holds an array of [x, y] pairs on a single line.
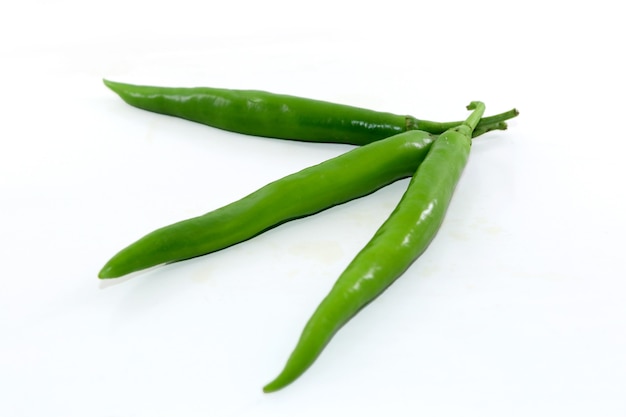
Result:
{"points": [[392, 147]]}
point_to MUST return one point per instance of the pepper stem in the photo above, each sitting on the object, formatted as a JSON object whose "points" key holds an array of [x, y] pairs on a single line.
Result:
{"points": [[497, 118], [482, 129], [467, 127], [472, 121], [486, 124]]}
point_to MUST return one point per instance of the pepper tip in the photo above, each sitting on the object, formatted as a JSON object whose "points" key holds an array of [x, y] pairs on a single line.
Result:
{"points": [[269, 388], [107, 273], [108, 83]]}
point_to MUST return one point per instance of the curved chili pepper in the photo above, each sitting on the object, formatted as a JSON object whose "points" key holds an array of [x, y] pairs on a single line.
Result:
{"points": [[348, 176], [266, 114], [403, 237]]}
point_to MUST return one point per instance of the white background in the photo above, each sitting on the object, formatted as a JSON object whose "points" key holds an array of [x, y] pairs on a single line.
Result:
{"points": [[517, 308]]}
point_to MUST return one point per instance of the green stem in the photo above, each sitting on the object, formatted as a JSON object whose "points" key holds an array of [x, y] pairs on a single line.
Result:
{"points": [[474, 118], [497, 118], [482, 129], [486, 124], [468, 126]]}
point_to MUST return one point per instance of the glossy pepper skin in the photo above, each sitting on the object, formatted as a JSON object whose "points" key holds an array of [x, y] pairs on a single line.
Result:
{"points": [[348, 176], [260, 113], [403, 237]]}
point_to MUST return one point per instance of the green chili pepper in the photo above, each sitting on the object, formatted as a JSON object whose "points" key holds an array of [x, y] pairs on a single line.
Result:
{"points": [[351, 175], [403, 237], [261, 113]]}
